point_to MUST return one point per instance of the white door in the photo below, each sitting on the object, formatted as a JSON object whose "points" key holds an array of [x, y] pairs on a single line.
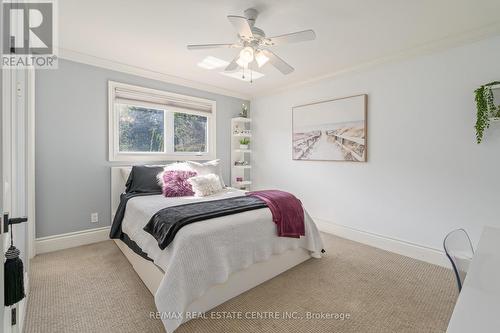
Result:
{"points": [[7, 182], [2, 238], [15, 158], [6, 203], [2, 241]]}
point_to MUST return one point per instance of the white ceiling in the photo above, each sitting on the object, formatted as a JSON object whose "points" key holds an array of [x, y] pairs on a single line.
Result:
{"points": [[153, 34]]}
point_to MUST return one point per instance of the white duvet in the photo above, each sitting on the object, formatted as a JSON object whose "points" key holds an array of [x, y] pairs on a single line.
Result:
{"points": [[204, 254]]}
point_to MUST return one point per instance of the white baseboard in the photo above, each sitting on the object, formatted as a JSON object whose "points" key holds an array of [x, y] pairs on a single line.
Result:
{"points": [[72, 239], [420, 252], [416, 251]]}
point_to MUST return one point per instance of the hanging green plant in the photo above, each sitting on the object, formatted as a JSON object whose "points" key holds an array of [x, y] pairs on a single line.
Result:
{"points": [[486, 109]]}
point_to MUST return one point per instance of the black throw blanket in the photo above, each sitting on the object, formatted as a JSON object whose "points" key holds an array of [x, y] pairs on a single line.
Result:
{"points": [[165, 224], [116, 228]]}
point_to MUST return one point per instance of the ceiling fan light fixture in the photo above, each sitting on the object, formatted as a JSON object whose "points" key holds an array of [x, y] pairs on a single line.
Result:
{"points": [[246, 55], [241, 63], [261, 58]]}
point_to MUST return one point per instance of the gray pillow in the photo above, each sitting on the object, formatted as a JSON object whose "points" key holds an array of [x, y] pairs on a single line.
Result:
{"points": [[142, 179]]}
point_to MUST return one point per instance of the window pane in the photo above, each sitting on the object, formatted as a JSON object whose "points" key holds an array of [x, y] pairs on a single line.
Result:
{"points": [[190, 133], [141, 129]]}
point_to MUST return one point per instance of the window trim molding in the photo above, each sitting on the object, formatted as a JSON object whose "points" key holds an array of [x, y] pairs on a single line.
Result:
{"points": [[113, 135]]}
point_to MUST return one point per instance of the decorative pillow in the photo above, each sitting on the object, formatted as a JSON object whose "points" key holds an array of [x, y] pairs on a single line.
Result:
{"points": [[178, 166], [142, 179], [207, 168], [175, 183], [205, 185]]}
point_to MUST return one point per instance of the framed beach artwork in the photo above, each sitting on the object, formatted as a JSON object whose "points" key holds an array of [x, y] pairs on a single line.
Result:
{"points": [[333, 130]]}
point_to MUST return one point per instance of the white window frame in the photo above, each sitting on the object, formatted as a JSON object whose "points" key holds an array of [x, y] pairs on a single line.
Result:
{"points": [[168, 155]]}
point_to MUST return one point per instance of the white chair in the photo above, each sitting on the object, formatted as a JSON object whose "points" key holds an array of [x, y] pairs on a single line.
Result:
{"points": [[458, 248]]}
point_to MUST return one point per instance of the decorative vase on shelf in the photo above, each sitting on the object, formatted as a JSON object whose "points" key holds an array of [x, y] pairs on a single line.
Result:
{"points": [[244, 147], [244, 111]]}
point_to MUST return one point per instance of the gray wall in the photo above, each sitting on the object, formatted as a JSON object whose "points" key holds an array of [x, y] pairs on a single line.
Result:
{"points": [[72, 170]]}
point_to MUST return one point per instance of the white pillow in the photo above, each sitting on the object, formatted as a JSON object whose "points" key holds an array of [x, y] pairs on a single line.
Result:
{"points": [[182, 166], [207, 168], [205, 185]]}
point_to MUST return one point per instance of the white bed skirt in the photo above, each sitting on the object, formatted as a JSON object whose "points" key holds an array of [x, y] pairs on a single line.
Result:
{"points": [[238, 282]]}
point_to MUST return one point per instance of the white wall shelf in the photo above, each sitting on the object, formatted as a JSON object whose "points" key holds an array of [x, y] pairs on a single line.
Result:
{"points": [[244, 183], [242, 120], [238, 125]]}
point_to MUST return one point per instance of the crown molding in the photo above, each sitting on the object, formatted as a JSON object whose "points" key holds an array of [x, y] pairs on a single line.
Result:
{"points": [[92, 60], [435, 46], [424, 49]]}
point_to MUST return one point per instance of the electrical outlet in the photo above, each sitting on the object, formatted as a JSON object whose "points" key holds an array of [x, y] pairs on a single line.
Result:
{"points": [[94, 217]]}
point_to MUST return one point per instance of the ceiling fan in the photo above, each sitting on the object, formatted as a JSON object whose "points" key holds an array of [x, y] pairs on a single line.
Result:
{"points": [[255, 45]]}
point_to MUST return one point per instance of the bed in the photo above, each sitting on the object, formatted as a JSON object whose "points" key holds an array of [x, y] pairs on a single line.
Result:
{"points": [[208, 262]]}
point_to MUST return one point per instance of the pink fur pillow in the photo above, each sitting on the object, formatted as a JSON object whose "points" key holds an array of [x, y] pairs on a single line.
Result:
{"points": [[175, 183]]}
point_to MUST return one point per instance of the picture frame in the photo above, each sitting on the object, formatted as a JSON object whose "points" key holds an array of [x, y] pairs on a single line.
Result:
{"points": [[331, 130]]}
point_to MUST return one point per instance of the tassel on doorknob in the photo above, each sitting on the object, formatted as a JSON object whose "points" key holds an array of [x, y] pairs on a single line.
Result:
{"points": [[14, 275]]}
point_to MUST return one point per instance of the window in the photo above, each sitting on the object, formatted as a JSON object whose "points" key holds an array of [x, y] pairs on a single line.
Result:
{"points": [[190, 133], [140, 129], [152, 125]]}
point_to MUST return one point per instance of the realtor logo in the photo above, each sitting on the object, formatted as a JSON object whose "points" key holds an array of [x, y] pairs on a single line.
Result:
{"points": [[28, 34]]}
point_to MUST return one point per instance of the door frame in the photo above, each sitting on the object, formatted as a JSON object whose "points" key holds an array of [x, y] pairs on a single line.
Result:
{"points": [[30, 162]]}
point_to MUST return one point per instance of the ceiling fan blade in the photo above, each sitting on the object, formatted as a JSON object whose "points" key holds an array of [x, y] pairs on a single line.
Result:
{"points": [[232, 66], [211, 46], [295, 37], [241, 25], [279, 63]]}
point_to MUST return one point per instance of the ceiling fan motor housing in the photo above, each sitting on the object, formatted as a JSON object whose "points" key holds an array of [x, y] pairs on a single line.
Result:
{"points": [[251, 15]]}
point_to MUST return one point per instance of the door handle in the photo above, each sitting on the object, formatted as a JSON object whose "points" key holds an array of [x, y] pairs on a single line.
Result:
{"points": [[8, 221]]}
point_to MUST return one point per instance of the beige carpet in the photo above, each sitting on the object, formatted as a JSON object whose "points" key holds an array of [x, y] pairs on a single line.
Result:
{"points": [[94, 289]]}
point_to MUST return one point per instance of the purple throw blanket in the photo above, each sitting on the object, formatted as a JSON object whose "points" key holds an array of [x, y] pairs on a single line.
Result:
{"points": [[287, 211]]}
